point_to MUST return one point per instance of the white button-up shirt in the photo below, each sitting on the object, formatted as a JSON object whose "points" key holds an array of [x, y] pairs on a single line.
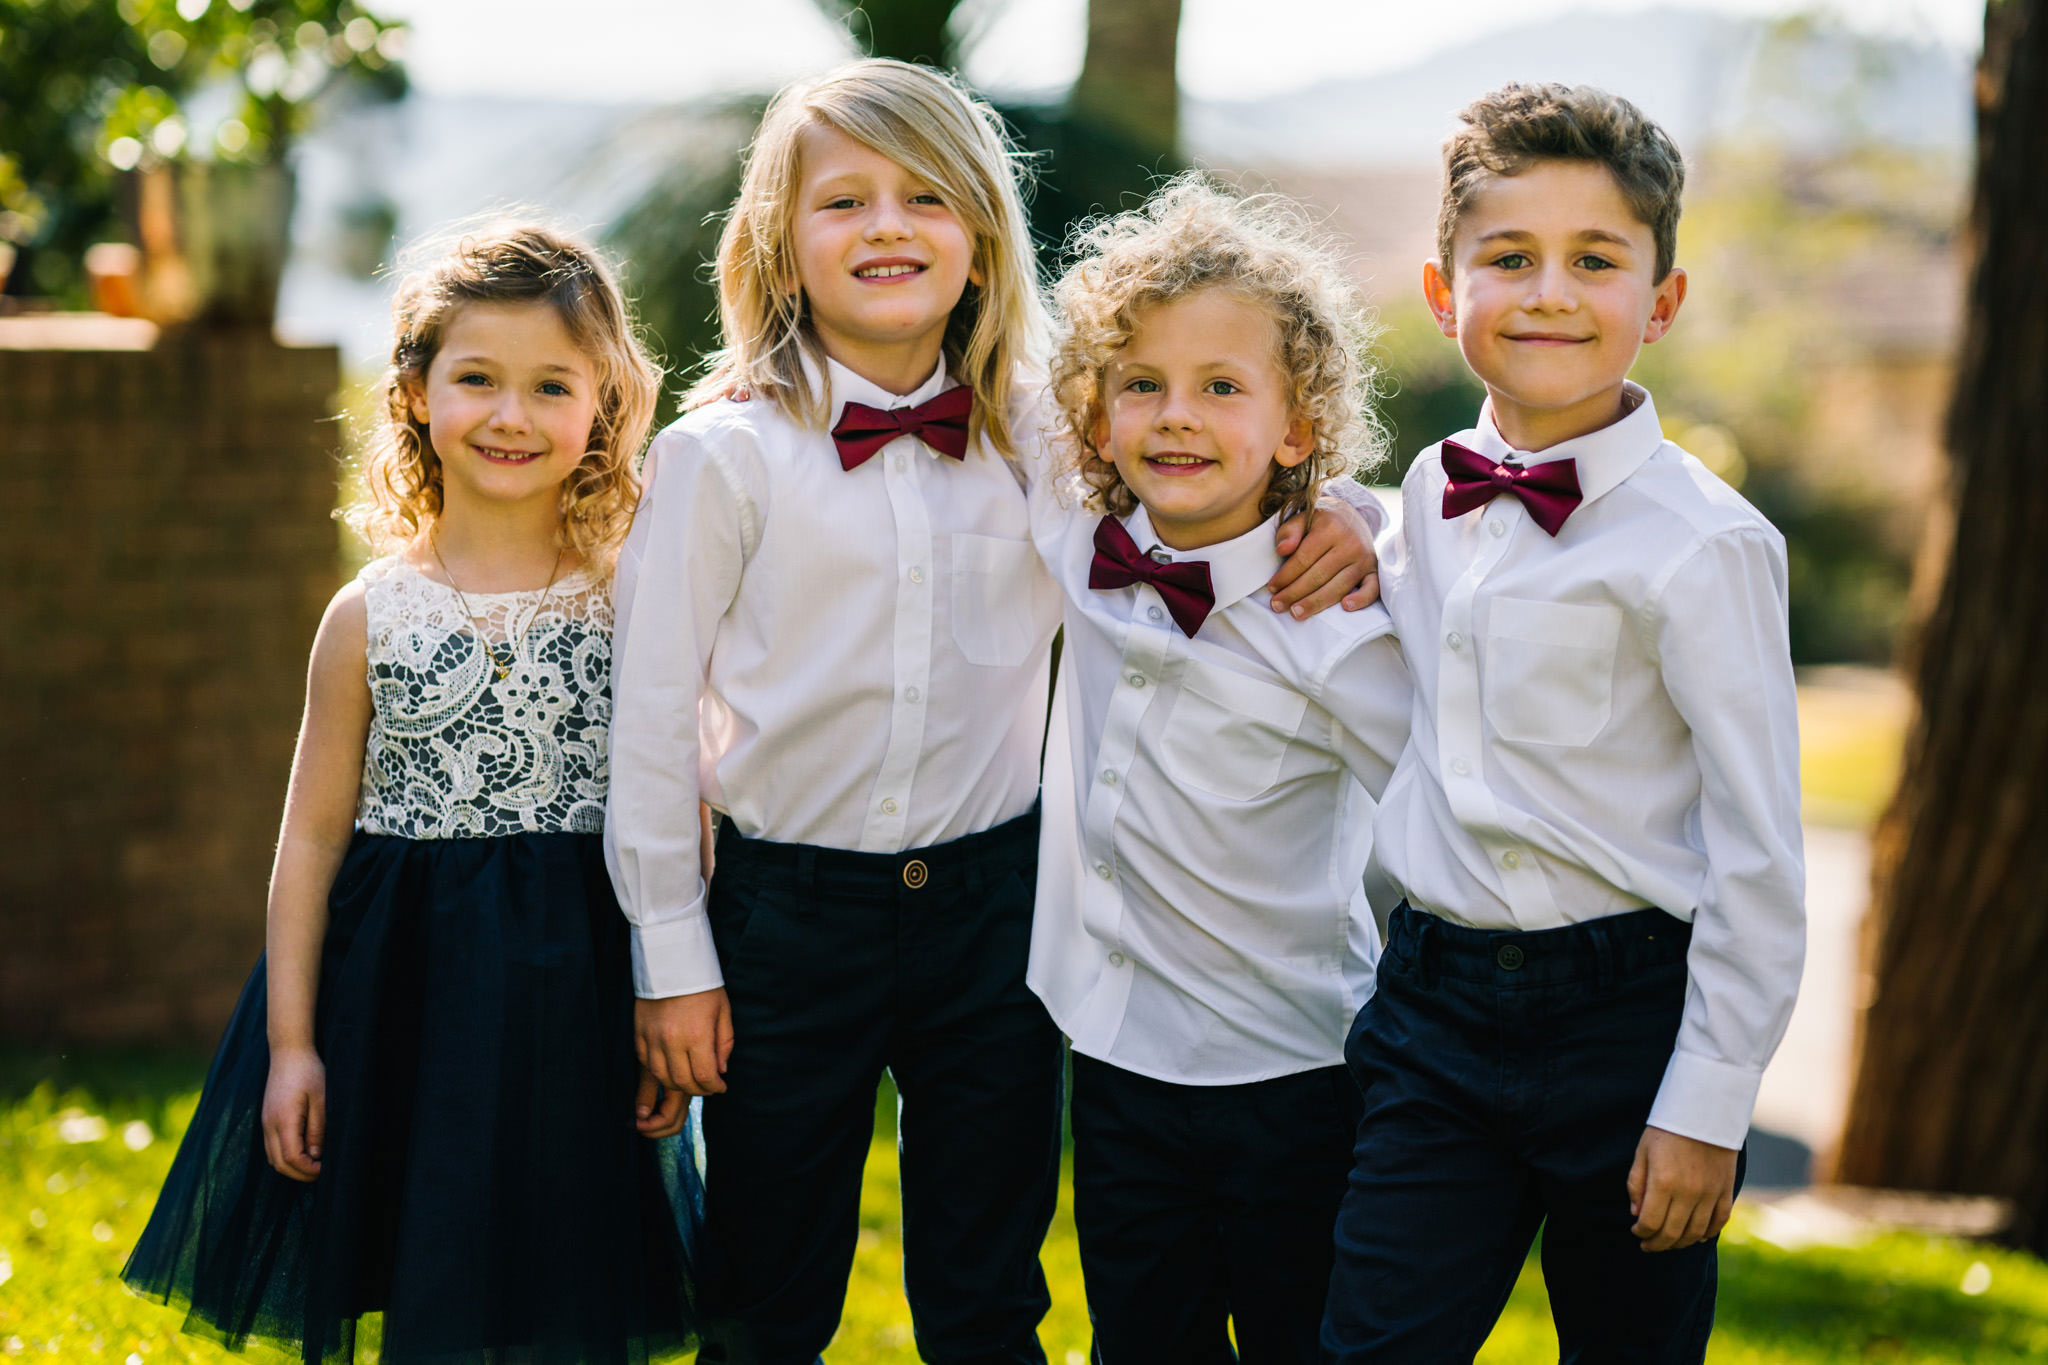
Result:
{"points": [[1607, 720], [850, 659], [1208, 815]]}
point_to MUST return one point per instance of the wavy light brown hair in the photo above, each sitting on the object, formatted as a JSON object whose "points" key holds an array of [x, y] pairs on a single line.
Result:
{"points": [[1513, 128], [1194, 235], [512, 263], [927, 123]]}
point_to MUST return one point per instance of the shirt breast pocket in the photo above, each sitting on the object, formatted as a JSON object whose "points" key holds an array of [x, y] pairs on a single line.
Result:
{"points": [[996, 589], [1228, 734], [1549, 670]]}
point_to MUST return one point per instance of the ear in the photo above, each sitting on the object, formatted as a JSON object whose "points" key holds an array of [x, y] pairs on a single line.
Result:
{"points": [[1098, 435], [1664, 310], [416, 399], [1436, 292], [976, 276], [1297, 445]]}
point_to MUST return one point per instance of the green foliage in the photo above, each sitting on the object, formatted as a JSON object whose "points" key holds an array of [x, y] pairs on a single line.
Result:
{"points": [[96, 87], [85, 1141]]}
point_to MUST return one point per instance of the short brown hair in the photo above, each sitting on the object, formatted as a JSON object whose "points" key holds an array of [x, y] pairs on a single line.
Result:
{"points": [[1516, 126], [1190, 236]]}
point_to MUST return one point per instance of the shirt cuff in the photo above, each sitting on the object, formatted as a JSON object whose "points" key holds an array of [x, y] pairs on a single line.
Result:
{"points": [[1706, 1100], [675, 957]]}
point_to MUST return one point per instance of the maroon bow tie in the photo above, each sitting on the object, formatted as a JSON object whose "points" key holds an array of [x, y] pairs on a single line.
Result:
{"points": [[940, 423], [1184, 584], [1550, 491]]}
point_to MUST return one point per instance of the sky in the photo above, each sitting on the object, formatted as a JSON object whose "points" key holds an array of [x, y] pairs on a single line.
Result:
{"points": [[657, 50]]}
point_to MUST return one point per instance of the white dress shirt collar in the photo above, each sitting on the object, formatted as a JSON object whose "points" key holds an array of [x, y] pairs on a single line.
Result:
{"points": [[1604, 458], [843, 386], [1238, 567]]}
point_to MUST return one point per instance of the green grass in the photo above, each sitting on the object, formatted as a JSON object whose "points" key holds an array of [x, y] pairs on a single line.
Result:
{"points": [[74, 1194]]}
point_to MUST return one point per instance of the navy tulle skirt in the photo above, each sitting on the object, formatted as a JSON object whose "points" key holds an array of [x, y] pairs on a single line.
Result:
{"points": [[482, 1185]]}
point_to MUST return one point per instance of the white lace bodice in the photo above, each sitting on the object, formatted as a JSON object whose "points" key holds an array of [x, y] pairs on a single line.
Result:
{"points": [[456, 752]]}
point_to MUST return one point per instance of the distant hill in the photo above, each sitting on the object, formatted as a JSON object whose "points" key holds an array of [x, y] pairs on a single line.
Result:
{"points": [[1809, 86]]}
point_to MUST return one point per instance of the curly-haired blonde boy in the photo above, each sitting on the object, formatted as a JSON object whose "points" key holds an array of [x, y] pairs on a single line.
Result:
{"points": [[1201, 934]]}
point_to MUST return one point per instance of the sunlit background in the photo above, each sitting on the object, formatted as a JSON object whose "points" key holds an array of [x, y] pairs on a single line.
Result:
{"points": [[1830, 155]]}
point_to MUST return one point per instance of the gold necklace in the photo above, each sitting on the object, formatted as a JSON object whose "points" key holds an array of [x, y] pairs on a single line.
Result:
{"points": [[503, 666]]}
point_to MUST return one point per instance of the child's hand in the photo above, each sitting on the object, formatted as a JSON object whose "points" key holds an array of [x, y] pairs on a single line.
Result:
{"points": [[1333, 562], [1680, 1190], [658, 1111], [684, 1040], [295, 1114]]}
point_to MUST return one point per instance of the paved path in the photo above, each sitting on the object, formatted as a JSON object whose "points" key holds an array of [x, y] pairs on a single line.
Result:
{"points": [[1806, 1089]]}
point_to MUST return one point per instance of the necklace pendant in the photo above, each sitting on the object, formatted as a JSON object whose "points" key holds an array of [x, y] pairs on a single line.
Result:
{"points": [[503, 673]]}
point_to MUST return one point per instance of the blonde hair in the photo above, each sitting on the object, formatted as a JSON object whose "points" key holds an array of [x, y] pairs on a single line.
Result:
{"points": [[511, 263], [1190, 236], [1511, 129], [927, 123]]}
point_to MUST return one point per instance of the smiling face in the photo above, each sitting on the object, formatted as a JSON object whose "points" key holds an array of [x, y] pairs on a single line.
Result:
{"points": [[1552, 294], [1196, 414], [508, 401], [881, 257]]}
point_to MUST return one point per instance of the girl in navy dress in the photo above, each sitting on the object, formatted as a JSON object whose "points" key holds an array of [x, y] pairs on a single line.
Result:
{"points": [[426, 1102]]}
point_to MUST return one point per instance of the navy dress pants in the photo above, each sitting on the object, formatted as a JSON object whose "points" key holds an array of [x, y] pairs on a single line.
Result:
{"points": [[839, 965], [1203, 1209], [1507, 1079]]}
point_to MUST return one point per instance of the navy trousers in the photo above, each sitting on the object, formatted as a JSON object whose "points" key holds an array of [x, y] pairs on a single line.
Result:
{"points": [[1507, 1079], [1203, 1208], [839, 965]]}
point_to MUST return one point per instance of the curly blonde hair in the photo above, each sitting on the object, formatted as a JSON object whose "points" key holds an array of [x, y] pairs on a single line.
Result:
{"points": [[927, 123], [1192, 235], [519, 262]]}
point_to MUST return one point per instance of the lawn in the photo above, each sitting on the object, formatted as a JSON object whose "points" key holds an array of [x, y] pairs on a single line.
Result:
{"points": [[84, 1142]]}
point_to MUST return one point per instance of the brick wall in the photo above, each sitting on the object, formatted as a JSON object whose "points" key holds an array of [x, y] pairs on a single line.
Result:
{"points": [[165, 552]]}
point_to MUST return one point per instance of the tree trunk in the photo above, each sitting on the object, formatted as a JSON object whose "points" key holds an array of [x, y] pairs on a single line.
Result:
{"points": [[1128, 85], [1951, 1088]]}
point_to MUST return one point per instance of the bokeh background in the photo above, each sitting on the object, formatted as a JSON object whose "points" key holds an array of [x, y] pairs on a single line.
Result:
{"points": [[202, 203]]}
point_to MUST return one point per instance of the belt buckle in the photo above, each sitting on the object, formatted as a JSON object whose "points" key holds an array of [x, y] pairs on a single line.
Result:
{"points": [[916, 874]]}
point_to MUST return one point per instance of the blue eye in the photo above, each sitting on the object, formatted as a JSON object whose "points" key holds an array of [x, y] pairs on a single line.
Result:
{"points": [[1222, 387], [473, 378], [555, 388]]}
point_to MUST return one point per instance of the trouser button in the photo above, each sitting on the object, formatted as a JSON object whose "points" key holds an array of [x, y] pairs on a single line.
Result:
{"points": [[1509, 957]]}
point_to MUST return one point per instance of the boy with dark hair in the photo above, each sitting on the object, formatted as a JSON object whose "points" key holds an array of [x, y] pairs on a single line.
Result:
{"points": [[1596, 824]]}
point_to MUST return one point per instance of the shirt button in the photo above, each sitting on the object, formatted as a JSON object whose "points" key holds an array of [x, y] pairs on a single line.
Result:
{"points": [[1136, 679], [1109, 777], [889, 806], [1102, 871], [1497, 528], [1116, 959], [1155, 613], [1511, 860], [1455, 640], [912, 694], [916, 575], [1460, 766]]}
